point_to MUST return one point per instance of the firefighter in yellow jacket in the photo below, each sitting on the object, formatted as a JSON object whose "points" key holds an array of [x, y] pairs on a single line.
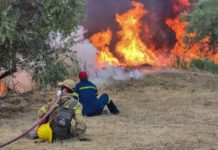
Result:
{"points": [[60, 124]]}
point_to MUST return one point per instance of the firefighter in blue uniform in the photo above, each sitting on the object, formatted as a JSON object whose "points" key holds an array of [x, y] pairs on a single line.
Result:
{"points": [[87, 94]]}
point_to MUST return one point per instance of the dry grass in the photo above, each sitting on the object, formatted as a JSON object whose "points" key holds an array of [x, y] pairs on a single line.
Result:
{"points": [[164, 110]]}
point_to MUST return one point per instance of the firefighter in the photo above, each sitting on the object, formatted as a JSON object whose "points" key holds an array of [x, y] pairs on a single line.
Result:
{"points": [[87, 94], [59, 124]]}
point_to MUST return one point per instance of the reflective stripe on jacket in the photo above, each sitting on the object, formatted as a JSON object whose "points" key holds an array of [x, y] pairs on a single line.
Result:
{"points": [[86, 92], [79, 124]]}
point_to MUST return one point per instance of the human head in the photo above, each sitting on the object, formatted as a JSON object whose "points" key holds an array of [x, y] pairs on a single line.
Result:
{"points": [[67, 86], [83, 76]]}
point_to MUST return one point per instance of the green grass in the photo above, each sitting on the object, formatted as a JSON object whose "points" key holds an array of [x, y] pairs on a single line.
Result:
{"points": [[206, 65]]}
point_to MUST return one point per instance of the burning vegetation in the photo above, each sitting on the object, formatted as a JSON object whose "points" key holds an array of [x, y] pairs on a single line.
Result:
{"points": [[3, 89], [130, 49], [136, 41]]}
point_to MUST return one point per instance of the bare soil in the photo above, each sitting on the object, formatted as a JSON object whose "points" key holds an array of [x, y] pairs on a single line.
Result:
{"points": [[166, 109]]}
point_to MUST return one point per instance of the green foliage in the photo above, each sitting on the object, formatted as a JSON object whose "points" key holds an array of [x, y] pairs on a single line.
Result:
{"points": [[74, 68], [206, 65], [203, 20], [25, 25], [53, 73]]}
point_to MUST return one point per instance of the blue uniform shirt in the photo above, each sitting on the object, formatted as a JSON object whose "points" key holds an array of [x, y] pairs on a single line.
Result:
{"points": [[86, 92]]}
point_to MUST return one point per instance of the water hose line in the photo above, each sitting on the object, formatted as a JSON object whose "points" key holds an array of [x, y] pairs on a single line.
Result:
{"points": [[40, 121]]}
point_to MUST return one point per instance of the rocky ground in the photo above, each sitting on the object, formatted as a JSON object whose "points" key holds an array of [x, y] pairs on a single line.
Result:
{"points": [[166, 109]]}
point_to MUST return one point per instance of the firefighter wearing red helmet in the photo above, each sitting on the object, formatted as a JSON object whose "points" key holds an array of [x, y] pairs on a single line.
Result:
{"points": [[86, 92], [83, 76]]}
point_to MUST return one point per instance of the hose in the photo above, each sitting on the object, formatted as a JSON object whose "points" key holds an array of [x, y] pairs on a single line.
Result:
{"points": [[34, 126]]}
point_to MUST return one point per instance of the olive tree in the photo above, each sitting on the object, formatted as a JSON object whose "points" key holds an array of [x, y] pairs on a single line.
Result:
{"points": [[25, 26]]}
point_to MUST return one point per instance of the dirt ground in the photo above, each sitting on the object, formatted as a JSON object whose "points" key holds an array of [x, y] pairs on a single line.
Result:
{"points": [[164, 110]]}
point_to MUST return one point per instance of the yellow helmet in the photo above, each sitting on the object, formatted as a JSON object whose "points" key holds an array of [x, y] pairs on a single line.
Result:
{"points": [[67, 83], [44, 132]]}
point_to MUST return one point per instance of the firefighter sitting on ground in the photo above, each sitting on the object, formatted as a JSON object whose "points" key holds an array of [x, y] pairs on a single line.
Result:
{"points": [[60, 124], [87, 94]]}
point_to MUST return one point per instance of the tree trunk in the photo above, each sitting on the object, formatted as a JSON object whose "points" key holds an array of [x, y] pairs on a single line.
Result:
{"points": [[13, 68]]}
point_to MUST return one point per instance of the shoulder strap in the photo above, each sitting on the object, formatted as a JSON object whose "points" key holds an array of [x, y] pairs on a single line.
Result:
{"points": [[73, 103], [61, 104], [69, 105]]}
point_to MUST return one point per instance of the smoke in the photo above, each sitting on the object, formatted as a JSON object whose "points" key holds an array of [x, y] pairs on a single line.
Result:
{"points": [[101, 15], [86, 55]]}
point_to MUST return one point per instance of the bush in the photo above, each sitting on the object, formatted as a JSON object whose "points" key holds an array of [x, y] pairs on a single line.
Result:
{"points": [[53, 72], [206, 65]]}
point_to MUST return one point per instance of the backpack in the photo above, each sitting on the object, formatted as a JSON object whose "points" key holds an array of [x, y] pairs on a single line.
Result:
{"points": [[61, 127]]}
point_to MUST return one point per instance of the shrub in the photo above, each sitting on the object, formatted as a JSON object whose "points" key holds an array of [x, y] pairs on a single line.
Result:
{"points": [[53, 72], [204, 64]]}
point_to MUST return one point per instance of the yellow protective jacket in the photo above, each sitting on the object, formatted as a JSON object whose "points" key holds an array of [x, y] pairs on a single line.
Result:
{"points": [[66, 99]]}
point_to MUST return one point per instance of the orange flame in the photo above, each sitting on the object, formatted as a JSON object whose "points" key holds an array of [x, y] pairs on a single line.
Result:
{"points": [[178, 27], [195, 51], [2, 89], [102, 41], [130, 46], [178, 3], [215, 58], [184, 50], [130, 49]]}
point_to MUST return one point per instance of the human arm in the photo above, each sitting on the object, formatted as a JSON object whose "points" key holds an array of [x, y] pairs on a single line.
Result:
{"points": [[45, 108], [80, 126]]}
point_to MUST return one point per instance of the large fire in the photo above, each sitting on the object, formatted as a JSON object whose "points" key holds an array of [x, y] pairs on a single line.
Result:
{"points": [[131, 50], [185, 51], [102, 41], [180, 49]]}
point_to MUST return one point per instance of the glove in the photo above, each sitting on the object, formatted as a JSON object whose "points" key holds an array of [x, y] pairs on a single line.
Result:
{"points": [[59, 93]]}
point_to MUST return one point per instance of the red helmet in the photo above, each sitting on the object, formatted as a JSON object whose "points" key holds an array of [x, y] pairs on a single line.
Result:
{"points": [[83, 75]]}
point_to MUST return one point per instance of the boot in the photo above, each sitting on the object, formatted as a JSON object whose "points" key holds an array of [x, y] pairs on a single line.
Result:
{"points": [[113, 108], [83, 138]]}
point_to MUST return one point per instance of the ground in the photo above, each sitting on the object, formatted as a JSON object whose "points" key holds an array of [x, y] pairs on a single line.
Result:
{"points": [[166, 109]]}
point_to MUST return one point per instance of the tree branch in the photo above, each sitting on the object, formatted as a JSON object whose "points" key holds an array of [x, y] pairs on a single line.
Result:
{"points": [[7, 73]]}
